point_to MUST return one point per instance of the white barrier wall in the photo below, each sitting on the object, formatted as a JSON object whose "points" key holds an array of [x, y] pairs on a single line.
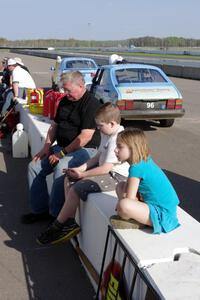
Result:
{"points": [[35, 125]]}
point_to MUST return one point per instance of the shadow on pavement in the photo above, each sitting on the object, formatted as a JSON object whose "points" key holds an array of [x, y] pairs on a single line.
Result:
{"points": [[188, 192], [51, 272], [142, 124]]}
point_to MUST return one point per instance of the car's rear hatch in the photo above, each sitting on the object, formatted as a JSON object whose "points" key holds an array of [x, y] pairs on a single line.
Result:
{"points": [[150, 92], [156, 97]]}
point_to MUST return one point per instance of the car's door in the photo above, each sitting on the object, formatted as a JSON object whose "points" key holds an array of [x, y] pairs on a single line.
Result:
{"points": [[95, 81], [102, 85]]}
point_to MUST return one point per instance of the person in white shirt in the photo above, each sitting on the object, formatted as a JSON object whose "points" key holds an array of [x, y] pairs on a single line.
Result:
{"points": [[99, 174], [21, 80]]}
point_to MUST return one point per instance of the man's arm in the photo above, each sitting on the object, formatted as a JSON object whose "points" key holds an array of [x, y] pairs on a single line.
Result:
{"points": [[51, 134], [15, 86], [80, 141]]}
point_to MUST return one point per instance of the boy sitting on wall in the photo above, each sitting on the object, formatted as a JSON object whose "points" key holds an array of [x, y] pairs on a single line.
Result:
{"points": [[99, 174]]}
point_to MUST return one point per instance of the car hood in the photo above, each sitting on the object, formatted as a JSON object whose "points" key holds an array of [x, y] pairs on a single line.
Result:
{"points": [[144, 93]]}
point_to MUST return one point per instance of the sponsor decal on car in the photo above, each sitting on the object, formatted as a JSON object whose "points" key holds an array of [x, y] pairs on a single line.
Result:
{"points": [[129, 91]]}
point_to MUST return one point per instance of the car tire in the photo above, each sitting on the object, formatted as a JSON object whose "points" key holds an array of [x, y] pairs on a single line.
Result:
{"points": [[166, 123]]}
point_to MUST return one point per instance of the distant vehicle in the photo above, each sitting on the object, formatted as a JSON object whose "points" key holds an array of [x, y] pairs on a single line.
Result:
{"points": [[86, 66], [141, 92]]}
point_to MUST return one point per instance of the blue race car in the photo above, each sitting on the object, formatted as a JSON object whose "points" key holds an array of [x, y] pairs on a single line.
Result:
{"points": [[86, 66], [142, 92]]}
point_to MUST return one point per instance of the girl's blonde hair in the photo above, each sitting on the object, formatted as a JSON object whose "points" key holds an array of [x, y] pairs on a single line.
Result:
{"points": [[137, 143]]}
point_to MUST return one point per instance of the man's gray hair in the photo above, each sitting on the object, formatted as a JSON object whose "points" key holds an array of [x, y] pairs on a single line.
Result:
{"points": [[74, 77]]}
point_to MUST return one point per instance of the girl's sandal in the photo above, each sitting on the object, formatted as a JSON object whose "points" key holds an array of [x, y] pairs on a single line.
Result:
{"points": [[118, 223]]}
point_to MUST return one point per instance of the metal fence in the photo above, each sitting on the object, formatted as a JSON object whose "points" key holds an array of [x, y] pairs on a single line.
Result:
{"points": [[115, 289]]}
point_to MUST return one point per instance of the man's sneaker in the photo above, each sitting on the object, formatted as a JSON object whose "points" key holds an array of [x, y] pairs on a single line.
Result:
{"points": [[58, 233], [118, 223], [33, 218]]}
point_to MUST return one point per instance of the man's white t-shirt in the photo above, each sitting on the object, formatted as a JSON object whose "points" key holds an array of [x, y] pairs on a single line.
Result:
{"points": [[107, 154], [23, 78]]}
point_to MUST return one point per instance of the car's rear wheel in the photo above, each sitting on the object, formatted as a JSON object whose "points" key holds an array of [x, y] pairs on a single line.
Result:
{"points": [[166, 123]]}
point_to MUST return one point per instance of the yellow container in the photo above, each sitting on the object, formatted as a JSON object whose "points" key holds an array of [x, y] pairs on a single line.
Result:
{"points": [[40, 91], [36, 108], [30, 97], [29, 91]]}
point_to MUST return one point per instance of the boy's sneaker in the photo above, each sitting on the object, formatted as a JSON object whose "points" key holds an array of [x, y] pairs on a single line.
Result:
{"points": [[118, 223], [58, 233]]}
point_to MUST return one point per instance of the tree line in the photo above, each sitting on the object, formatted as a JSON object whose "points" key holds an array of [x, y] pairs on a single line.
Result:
{"points": [[147, 41]]}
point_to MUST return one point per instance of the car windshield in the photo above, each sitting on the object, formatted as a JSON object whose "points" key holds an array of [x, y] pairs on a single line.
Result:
{"points": [[80, 64], [134, 75]]}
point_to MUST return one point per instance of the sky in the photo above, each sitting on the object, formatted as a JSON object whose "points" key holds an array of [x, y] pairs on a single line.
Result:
{"points": [[99, 19]]}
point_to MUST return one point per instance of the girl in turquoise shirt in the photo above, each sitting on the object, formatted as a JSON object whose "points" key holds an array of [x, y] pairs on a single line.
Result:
{"points": [[158, 202]]}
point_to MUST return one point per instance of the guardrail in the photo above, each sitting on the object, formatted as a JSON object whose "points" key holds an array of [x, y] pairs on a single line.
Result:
{"points": [[174, 69], [115, 286]]}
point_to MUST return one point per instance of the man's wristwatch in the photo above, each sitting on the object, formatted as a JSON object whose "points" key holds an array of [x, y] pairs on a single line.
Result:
{"points": [[63, 152]]}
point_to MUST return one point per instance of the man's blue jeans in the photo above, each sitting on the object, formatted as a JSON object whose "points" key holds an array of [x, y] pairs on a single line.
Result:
{"points": [[40, 199]]}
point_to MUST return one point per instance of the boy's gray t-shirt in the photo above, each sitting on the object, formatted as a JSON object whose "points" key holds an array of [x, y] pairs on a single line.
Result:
{"points": [[107, 154]]}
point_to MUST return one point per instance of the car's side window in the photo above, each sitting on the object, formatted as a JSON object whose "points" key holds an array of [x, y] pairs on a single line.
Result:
{"points": [[104, 78], [157, 77], [126, 75], [96, 79], [98, 76], [138, 75], [78, 64]]}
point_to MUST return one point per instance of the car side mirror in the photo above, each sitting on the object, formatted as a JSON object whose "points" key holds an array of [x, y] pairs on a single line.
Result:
{"points": [[52, 68]]}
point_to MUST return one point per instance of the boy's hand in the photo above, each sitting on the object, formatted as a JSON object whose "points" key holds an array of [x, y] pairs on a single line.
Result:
{"points": [[74, 173]]}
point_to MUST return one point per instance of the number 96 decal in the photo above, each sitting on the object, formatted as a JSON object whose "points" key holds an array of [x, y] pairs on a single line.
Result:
{"points": [[150, 104]]}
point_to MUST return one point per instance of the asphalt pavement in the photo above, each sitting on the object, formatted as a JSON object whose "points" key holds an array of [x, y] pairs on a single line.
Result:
{"points": [[30, 271]]}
